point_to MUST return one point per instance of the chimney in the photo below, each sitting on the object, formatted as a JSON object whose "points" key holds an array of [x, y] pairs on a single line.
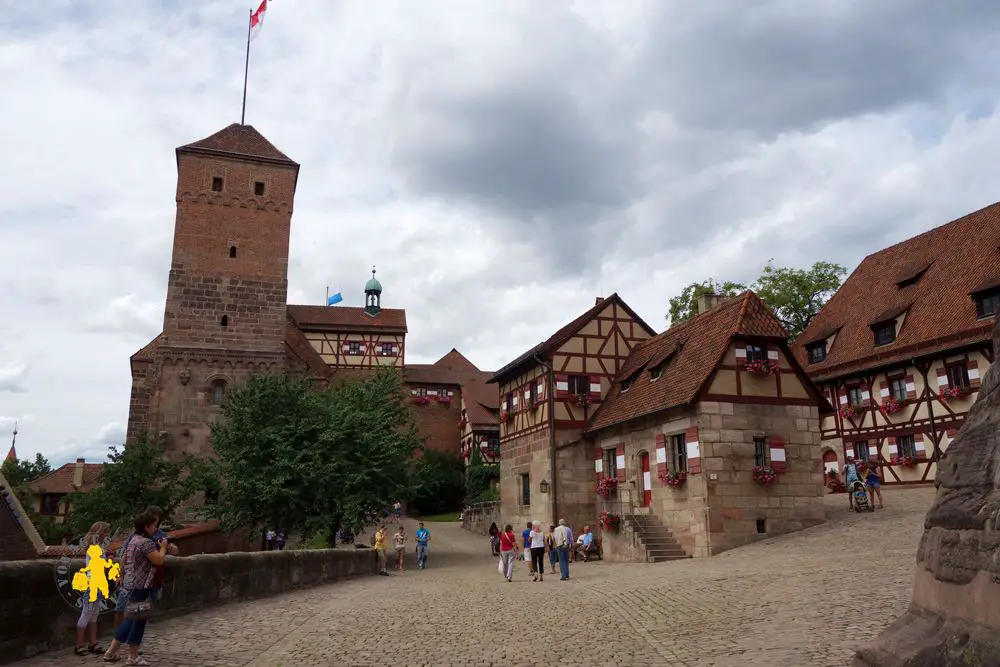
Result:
{"points": [[600, 299], [78, 474], [707, 302]]}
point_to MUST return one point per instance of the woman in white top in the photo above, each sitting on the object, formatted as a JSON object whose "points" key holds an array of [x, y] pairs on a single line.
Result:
{"points": [[537, 541]]}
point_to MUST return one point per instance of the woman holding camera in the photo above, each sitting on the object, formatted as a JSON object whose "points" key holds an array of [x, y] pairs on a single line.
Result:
{"points": [[142, 557]]}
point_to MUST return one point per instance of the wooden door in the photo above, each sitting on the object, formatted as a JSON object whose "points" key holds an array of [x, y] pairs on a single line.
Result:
{"points": [[647, 485]]}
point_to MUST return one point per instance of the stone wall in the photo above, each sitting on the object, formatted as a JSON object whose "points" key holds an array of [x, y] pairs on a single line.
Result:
{"points": [[575, 493], [477, 519], [35, 618], [438, 422], [524, 455]]}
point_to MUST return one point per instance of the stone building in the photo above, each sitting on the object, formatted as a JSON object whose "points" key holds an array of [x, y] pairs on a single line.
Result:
{"points": [[547, 396], [901, 347], [226, 315], [688, 418]]}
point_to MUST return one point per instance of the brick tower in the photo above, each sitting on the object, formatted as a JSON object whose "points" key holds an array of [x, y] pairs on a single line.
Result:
{"points": [[226, 304]]}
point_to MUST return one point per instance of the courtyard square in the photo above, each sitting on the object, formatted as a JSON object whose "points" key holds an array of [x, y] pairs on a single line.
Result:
{"points": [[801, 600]]}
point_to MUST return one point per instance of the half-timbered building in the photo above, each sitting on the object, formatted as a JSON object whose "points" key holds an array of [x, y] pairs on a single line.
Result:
{"points": [[479, 424], [692, 426], [547, 395], [901, 347]]}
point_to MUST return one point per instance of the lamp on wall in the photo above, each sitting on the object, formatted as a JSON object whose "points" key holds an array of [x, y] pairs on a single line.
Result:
{"points": [[543, 486]]}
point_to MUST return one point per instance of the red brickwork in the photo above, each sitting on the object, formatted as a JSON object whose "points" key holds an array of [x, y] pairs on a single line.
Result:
{"points": [[438, 423]]}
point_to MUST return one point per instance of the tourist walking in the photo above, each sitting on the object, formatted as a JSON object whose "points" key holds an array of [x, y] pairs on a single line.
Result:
{"points": [[526, 539], [850, 477], [378, 543], [142, 556], [423, 537], [563, 538], [494, 533], [397, 510], [537, 539], [874, 483], [508, 552], [550, 545], [89, 611], [399, 539]]}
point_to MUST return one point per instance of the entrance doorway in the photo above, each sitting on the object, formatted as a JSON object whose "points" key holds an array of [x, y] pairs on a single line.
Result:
{"points": [[830, 461], [647, 485]]}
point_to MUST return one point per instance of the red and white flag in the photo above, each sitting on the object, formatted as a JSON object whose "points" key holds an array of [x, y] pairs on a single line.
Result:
{"points": [[257, 19]]}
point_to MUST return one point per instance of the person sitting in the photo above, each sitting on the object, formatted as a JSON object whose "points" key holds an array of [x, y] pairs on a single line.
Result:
{"points": [[585, 545]]}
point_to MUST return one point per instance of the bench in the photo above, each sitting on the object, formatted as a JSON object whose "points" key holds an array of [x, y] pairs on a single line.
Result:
{"points": [[596, 553]]}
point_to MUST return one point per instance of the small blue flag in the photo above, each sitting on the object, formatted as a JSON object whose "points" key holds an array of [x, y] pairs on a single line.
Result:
{"points": [[334, 298]]}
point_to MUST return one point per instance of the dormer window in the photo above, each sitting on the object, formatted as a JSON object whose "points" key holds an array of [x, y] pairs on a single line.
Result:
{"points": [[656, 372], [885, 333], [755, 353], [817, 352], [987, 303], [626, 384]]}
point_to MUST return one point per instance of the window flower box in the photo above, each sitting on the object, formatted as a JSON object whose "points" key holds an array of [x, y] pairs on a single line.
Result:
{"points": [[848, 412], [506, 417], [421, 400], [892, 406], [905, 461], [674, 478], [462, 422], [954, 393], [764, 475], [446, 400], [610, 521], [538, 401], [583, 400], [606, 486], [762, 367]]}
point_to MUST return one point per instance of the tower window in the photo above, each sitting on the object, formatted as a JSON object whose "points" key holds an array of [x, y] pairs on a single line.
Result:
{"points": [[232, 252], [225, 321], [258, 188], [216, 184], [218, 392]]}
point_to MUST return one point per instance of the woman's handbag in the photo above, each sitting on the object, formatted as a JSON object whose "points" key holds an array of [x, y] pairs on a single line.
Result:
{"points": [[139, 611], [500, 567]]}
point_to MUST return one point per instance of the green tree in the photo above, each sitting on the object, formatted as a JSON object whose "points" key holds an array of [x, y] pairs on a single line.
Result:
{"points": [[438, 483], [480, 478], [309, 460], [795, 295], [20, 473], [136, 476], [684, 306]]}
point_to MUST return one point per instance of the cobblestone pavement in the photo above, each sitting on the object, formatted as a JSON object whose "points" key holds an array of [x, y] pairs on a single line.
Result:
{"points": [[801, 600]]}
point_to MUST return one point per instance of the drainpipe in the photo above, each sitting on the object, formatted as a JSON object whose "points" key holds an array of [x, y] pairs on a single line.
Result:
{"points": [[551, 403]]}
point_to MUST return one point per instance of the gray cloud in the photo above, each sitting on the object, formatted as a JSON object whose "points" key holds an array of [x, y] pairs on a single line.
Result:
{"points": [[502, 163], [13, 378]]}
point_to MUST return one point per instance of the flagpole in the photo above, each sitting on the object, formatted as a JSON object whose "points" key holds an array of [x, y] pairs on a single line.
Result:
{"points": [[327, 302], [246, 71]]}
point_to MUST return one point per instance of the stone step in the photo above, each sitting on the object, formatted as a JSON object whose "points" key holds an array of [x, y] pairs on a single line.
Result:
{"points": [[664, 559], [660, 542], [675, 551]]}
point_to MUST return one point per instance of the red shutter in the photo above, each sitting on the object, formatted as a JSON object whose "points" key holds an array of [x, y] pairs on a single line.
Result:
{"points": [[345, 348], [562, 385], [865, 402], [661, 454], [620, 462], [527, 398], [893, 449], [973, 368], [778, 454], [595, 387], [883, 392], [911, 388], [599, 463], [918, 445], [873, 451], [693, 448], [848, 450], [942, 374], [952, 433], [741, 354], [540, 394]]}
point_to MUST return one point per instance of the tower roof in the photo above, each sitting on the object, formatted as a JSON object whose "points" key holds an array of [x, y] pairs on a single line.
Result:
{"points": [[238, 141], [373, 285]]}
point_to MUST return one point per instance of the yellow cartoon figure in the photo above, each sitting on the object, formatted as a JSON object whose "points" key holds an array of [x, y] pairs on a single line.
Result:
{"points": [[96, 574]]}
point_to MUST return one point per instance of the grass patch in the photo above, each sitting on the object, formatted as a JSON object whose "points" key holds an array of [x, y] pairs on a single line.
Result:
{"points": [[440, 518]]}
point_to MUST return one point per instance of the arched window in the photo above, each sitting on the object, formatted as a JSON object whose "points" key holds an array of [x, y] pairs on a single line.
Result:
{"points": [[218, 392], [232, 251], [225, 321]]}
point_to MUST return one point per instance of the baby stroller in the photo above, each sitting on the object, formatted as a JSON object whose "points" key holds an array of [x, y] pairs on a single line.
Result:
{"points": [[860, 494]]}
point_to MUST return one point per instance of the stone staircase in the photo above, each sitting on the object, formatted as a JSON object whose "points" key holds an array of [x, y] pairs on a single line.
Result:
{"points": [[659, 543]]}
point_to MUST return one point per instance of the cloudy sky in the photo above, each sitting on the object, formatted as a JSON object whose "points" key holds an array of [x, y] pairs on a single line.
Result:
{"points": [[502, 162]]}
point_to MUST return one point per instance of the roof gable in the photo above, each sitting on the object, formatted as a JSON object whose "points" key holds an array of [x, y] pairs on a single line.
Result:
{"points": [[240, 142], [566, 332], [689, 353], [60, 480], [948, 263], [455, 360]]}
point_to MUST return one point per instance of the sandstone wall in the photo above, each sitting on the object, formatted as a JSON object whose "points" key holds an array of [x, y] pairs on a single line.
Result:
{"points": [[35, 618]]}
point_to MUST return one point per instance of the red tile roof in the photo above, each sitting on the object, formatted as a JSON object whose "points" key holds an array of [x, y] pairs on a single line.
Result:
{"points": [[693, 349], [60, 480], [481, 399], [239, 141], [482, 402], [303, 350], [956, 259], [565, 333], [324, 318]]}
